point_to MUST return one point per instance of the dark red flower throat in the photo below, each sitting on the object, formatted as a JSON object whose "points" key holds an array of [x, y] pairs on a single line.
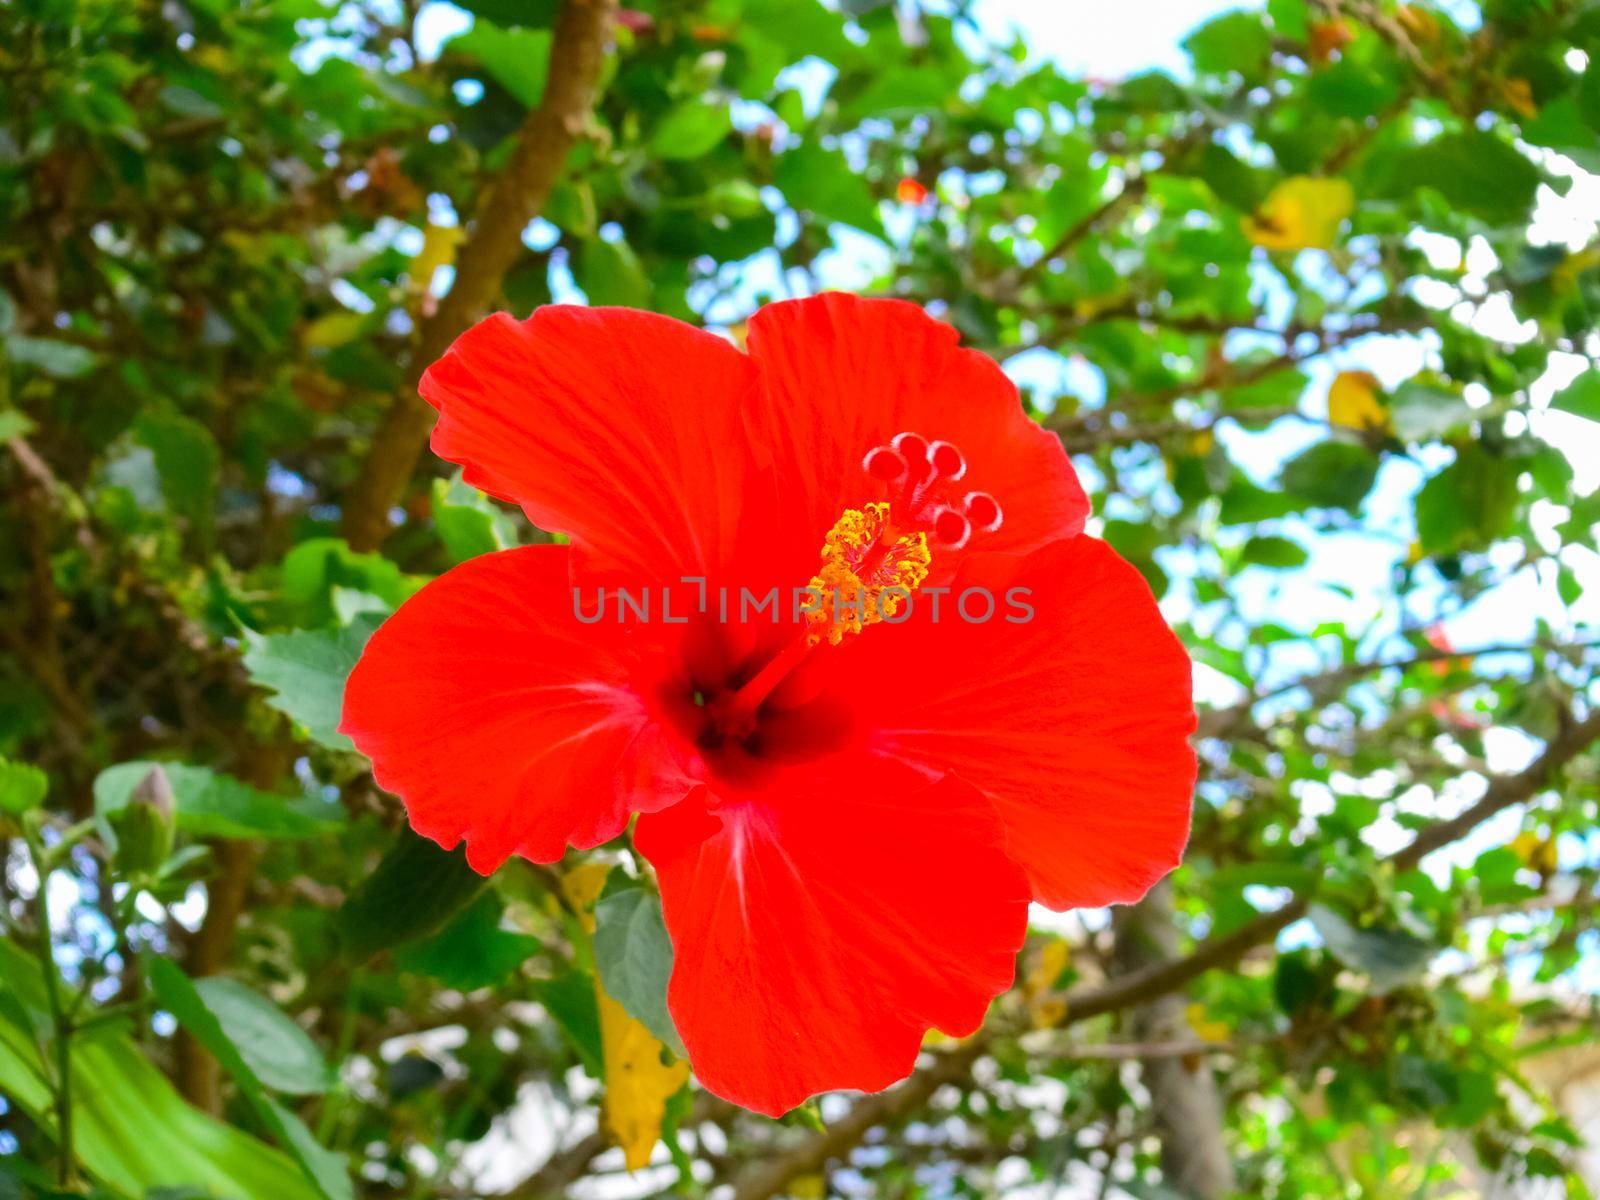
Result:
{"points": [[774, 704]]}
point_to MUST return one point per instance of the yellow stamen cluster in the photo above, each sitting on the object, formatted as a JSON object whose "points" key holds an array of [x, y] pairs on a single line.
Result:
{"points": [[868, 571]]}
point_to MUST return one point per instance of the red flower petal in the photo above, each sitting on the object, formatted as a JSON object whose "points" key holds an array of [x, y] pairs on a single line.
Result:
{"points": [[844, 374], [620, 428], [498, 717], [818, 934], [1075, 724]]}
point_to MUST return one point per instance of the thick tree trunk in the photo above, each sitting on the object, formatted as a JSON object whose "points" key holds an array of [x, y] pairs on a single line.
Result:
{"points": [[1183, 1095]]}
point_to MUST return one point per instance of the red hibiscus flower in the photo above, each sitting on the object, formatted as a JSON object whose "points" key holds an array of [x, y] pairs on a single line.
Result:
{"points": [[850, 801]]}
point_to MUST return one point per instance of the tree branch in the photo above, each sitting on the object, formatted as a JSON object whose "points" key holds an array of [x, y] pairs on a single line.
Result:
{"points": [[577, 54], [1328, 685], [1184, 1102]]}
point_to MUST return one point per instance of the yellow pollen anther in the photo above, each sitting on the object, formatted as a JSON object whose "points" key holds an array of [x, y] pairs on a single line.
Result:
{"points": [[868, 571]]}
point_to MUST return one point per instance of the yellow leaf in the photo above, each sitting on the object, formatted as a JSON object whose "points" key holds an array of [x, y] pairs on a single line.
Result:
{"points": [[1519, 97], [1327, 38], [1353, 402], [638, 1083], [1051, 960], [809, 1187], [1565, 277], [252, 248], [1537, 853], [582, 886], [1205, 1028], [334, 329], [211, 57], [439, 245], [1045, 1005], [1418, 22], [1301, 213]]}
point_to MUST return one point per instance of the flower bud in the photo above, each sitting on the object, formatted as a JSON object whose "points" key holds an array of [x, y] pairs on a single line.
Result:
{"points": [[145, 826]]}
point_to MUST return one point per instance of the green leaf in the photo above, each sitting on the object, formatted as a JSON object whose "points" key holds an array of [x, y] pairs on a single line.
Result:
{"points": [[1290, 19], [414, 891], [315, 568], [1581, 397], [471, 952], [1244, 503], [187, 102], [893, 93], [819, 181], [1234, 182], [1468, 504], [736, 198], [1236, 877], [22, 787], [1149, 92], [1561, 126], [1587, 96], [187, 461], [1331, 475], [1356, 87], [351, 606], [14, 424], [468, 522], [511, 14], [132, 1131], [132, 469], [306, 671], [569, 998], [1390, 957], [1422, 412], [176, 993], [1235, 41], [1294, 983], [210, 804], [1138, 543], [276, 1049], [799, 29], [517, 59], [1275, 552], [1476, 172], [1279, 390], [690, 130], [63, 360], [610, 273], [633, 955]]}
